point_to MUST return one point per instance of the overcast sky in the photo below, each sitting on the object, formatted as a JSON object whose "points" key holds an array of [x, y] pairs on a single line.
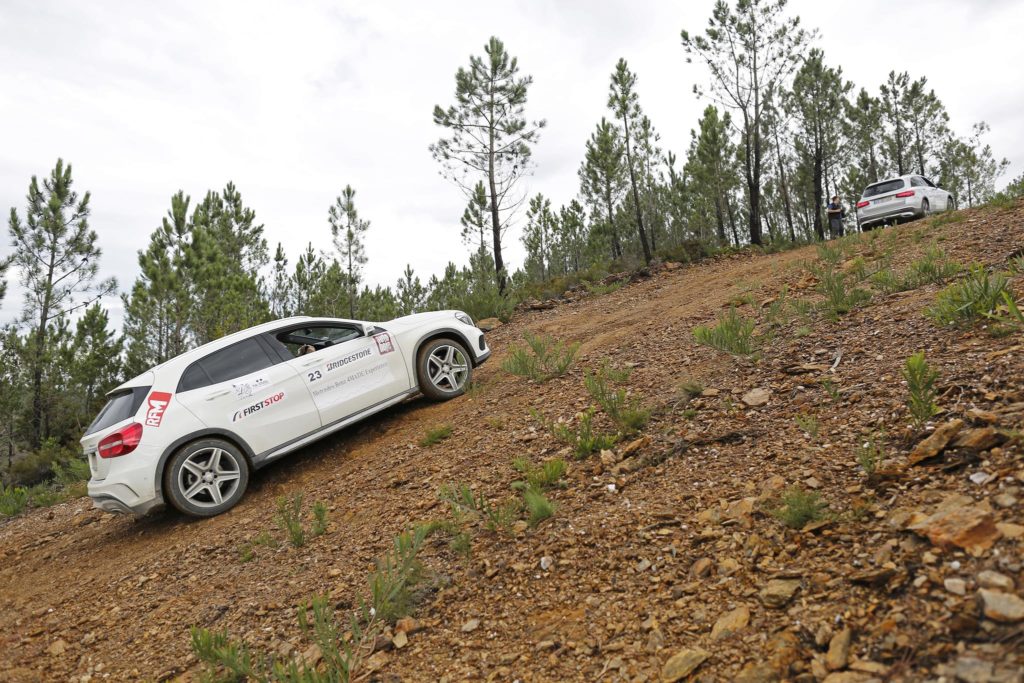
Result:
{"points": [[292, 101]]}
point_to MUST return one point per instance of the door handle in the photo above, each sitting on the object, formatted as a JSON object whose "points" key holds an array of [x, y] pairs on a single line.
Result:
{"points": [[218, 394], [311, 363]]}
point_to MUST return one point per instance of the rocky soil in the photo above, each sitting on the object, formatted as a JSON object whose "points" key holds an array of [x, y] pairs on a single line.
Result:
{"points": [[663, 561]]}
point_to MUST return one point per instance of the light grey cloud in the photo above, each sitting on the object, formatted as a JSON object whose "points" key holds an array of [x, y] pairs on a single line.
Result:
{"points": [[292, 101]]}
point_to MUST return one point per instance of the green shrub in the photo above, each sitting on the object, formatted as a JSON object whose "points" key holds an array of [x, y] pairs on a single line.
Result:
{"points": [[809, 424], [962, 303], [436, 435], [540, 478], [799, 507], [870, 453], [583, 439], [932, 267], [733, 334], [13, 500], [394, 583], [500, 518], [888, 281], [544, 358], [319, 519], [538, 507], [921, 387], [289, 519], [839, 298], [627, 413], [691, 388]]}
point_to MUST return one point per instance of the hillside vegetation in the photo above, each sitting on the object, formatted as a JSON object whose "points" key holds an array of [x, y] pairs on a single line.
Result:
{"points": [[797, 466]]}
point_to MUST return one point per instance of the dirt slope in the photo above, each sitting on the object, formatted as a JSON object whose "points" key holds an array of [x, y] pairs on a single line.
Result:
{"points": [[641, 570]]}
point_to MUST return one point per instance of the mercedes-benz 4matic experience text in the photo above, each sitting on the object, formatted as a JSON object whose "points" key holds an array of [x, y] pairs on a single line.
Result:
{"points": [[191, 431]]}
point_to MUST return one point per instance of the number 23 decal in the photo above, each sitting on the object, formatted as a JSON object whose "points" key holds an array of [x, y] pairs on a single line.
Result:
{"points": [[314, 376]]}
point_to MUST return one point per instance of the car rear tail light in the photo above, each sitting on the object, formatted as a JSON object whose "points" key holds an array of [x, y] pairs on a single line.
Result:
{"points": [[861, 205], [121, 442], [905, 193]]}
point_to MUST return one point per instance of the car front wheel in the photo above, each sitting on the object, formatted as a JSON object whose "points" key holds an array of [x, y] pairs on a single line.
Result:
{"points": [[950, 204], [206, 477], [925, 207], [443, 369]]}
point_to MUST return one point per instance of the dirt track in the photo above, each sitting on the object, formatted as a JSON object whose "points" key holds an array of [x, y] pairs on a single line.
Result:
{"points": [[84, 593]]}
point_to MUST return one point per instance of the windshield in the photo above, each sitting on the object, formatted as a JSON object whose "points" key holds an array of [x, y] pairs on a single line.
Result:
{"points": [[120, 407], [883, 188]]}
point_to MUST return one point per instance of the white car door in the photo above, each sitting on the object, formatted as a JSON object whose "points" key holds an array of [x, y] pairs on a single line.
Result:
{"points": [[348, 371], [245, 390]]}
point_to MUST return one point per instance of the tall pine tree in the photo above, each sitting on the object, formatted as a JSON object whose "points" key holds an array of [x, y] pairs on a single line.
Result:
{"points": [[624, 103], [348, 231], [603, 180]]}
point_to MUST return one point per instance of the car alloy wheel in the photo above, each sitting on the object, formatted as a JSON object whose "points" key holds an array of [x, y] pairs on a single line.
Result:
{"points": [[443, 369], [206, 477], [925, 207]]}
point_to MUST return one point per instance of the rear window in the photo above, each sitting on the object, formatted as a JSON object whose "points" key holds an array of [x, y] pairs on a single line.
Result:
{"points": [[235, 361], [120, 407], [883, 188]]}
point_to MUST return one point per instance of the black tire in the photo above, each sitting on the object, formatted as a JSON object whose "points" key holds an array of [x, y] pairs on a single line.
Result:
{"points": [[925, 206], [950, 204], [216, 467], [444, 369]]}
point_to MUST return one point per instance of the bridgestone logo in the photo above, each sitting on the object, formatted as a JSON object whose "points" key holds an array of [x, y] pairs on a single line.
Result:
{"points": [[341, 362], [256, 407]]}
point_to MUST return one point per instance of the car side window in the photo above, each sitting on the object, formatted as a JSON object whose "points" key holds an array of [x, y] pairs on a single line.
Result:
{"points": [[927, 182], [236, 360], [300, 341], [916, 182]]}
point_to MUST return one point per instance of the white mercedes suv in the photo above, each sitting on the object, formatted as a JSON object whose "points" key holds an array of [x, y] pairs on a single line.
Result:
{"points": [[190, 431], [909, 196]]}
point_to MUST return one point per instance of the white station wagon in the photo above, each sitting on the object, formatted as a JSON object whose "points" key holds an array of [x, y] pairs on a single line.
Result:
{"points": [[190, 431]]}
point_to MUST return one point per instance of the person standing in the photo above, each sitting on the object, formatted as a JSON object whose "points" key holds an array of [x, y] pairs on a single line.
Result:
{"points": [[836, 212]]}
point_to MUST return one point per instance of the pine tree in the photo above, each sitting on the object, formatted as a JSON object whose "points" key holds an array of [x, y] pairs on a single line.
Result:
{"points": [[968, 168], [624, 103], [13, 384], [476, 219], [281, 285], [95, 366], [58, 259], [817, 101], [158, 308], [927, 123], [537, 238], [572, 227], [410, 294], [489, 136], [750, 52], [603, 180], [378, 304], [711, 166], [223, 263], [348, 231], [894, 108], [863, 122]]}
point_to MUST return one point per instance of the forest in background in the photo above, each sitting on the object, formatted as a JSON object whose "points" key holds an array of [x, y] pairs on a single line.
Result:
{"points": [[783, 131]]}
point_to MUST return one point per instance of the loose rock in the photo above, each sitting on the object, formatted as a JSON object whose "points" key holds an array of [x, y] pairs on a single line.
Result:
{"points": [[682, 664]]}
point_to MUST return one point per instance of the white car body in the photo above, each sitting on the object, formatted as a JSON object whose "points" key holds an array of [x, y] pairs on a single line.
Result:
{"points": [[905, 197], [266, 405]]}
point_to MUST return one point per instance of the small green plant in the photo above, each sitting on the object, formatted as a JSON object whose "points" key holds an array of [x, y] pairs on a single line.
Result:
{"points": [[436, 435], [962, 303], [932, 267], [245, 553], [809, 424], [544, 358], [319, 519], [393, 585], [229, 660], [947, 218], [494, 422], [839, 298], [501, 517], [265, 539], [600, 290], [538, 507], [888, 281], [13, 500], [626, 412], [921, 388], [289, 519], [539, 478], [1015, 264], [583, 439], [691, 388], [870, 453], [798, 507], [733, 334], [461, 543], [830, 388], [689, 413], [462, 501], [780, 311], [831, 254], [802, 331]]}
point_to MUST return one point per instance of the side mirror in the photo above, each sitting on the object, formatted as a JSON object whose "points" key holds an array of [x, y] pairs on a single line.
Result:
{"points": [[369, 329]]}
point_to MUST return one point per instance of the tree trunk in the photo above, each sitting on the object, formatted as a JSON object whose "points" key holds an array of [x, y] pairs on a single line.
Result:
{"points": [[616, 247], [499, 264], [818, 227], [636, 196], [783, 186]]}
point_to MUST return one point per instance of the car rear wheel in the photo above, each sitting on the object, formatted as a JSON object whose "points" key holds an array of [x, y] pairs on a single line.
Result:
{"points": [[443, 369], [206, 477]]}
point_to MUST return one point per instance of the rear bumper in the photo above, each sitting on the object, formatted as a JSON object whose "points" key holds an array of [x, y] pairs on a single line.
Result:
{"points": [[121, 499], [898, 212]]}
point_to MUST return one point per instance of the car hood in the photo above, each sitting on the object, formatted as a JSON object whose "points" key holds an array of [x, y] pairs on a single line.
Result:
{"points": [[408, 322]]}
